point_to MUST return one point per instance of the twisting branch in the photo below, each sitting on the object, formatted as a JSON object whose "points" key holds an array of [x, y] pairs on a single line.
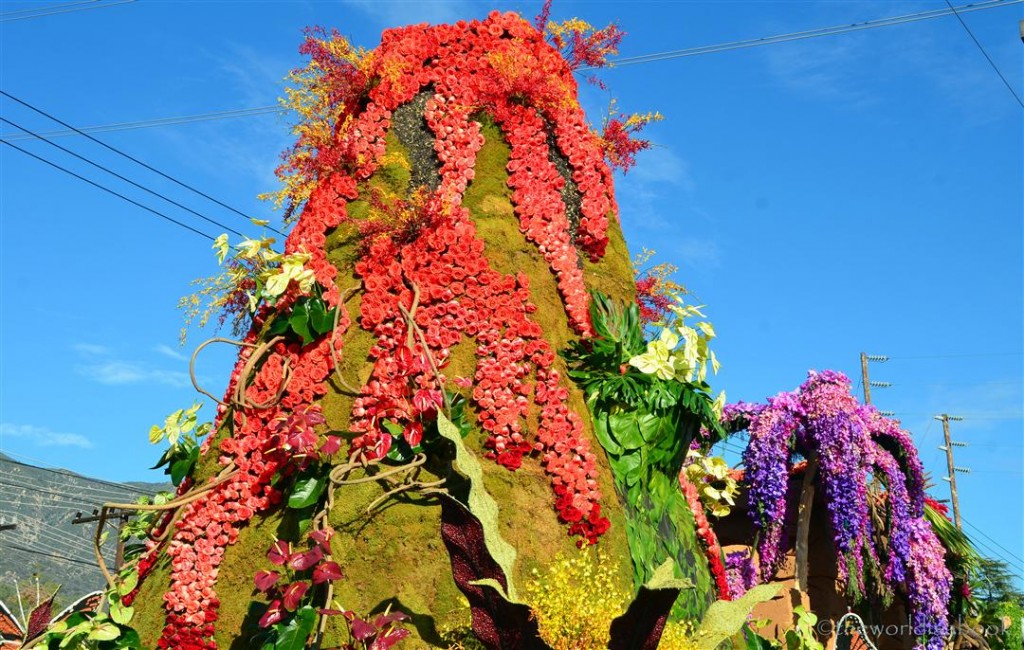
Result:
{"points": [[240, 399], [192, 364], [346, 388], [174, 505], [433, 487], [414, 329]]}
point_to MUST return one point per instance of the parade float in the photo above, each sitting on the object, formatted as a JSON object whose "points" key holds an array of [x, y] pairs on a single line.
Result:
{"points": [[460, 418]]}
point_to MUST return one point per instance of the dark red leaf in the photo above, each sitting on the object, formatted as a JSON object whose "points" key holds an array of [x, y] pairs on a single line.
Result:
{"points": [[322, 536], [394, 617], [403, 360], [330, 612], [303, 561], [361, 630], [325, 572], [426, 401], [265, 579], [390, 639], [39, 618], [293, 595], [279, 552], [331, 445], [413, 434], [273, 614]]}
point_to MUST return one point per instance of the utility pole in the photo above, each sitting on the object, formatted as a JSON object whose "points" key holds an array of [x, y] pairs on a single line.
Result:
{"points": [[865, 380], [951, 468], [122, 517]]}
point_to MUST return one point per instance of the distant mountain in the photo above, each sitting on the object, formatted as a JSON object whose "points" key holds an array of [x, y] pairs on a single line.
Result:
{"points": [[41, 503]]}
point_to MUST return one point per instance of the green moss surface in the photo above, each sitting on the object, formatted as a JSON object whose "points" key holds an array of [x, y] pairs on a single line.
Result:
{"points": [[395, 555]]}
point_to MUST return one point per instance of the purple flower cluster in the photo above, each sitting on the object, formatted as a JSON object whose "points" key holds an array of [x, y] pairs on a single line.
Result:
{"points": [[850, 441], [928, 584], [766, 460], [740, 572], [899, 519], [833, 431], [890, 436]]}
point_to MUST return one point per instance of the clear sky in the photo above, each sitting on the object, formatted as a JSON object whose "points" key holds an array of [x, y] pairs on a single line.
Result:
{"points": [[824, 197]]}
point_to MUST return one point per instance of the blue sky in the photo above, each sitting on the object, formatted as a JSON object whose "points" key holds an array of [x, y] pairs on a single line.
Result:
{"points": [[858, 192]]}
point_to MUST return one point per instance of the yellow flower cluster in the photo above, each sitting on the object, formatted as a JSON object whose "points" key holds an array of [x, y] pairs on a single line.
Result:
{"points": [[310, 95], [717, 489], [576, 599], [662, 272], [678, 635]]}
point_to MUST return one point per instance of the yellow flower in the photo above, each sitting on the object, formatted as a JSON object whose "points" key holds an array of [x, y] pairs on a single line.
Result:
{"points": [[657, 360]]}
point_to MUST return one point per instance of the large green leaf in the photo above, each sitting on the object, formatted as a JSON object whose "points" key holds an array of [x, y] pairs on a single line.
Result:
{"points": [[294, 635], [602, 433], [625, 430], [299, 322], [306, 492], [481, 504], [726, 617]]}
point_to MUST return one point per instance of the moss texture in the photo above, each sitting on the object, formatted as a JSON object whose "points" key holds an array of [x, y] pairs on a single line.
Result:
{"points": [[395, 556]]}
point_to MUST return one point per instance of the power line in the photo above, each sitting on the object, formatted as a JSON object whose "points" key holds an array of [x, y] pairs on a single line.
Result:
{"points": [[91, 500], [59, 557], [53, 535], [123, 178], [33, 10], [132, 158], [985, 54], [706, 49], [56, 543], [812, 33], [162, 121], [983, 534], [958, 356], [43, 11], [986, 549], [84, 490], [67, 472], [108, 190]]}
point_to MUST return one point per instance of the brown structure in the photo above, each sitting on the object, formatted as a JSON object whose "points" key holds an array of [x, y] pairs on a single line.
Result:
{"points": [[824, 596]]}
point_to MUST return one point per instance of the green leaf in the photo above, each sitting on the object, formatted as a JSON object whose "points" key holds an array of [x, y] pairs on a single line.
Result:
{"points": [[128, 582], [296, 633], [129, 640], [624, 429], [755, 641], [320, 319], [278, 327], [665, 578], [299, 321], [120, 614], [104, 632], [180, 468], [725, 618], [305, 522], [306, 492], [601, 431], [481, 504], [629, 468]]}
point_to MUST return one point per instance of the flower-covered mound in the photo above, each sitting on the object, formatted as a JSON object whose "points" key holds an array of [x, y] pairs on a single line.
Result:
{"points": [[421, 284]]}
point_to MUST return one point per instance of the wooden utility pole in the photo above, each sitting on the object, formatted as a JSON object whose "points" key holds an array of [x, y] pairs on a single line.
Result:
{"points": [[946, 418], [864, 358], [122, 517], [864, 377]]}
